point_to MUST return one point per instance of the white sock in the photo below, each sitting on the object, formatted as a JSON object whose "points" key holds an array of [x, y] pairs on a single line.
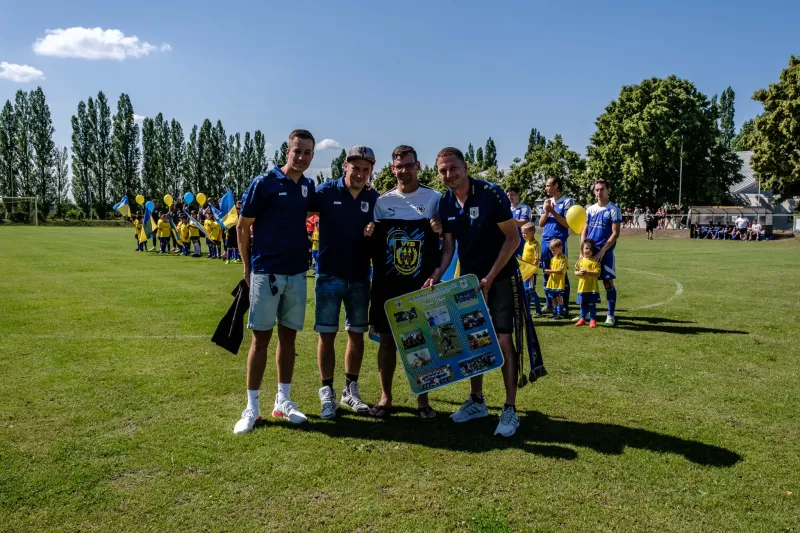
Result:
{"points": [[252, 400], [283, 390]]}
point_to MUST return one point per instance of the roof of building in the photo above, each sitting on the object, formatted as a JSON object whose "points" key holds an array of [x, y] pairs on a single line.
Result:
{"points": [[746, 172]]}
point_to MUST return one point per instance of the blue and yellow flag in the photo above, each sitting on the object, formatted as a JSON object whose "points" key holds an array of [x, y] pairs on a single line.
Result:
{"points": [[148, 225], [227, 216], [122, 207], [175, 232], [196, 223]]}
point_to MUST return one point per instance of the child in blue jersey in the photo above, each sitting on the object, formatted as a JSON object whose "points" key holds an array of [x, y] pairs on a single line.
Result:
{"points": [[587, 269]]}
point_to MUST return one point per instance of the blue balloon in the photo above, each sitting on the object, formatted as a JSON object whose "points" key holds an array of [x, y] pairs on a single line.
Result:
{"points": [[188, 198], [150, 205]]}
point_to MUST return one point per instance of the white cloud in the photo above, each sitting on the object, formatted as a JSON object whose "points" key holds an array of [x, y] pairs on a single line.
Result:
{"points": [[138, 118], [328, 144], [94, 43], [20, 73]]}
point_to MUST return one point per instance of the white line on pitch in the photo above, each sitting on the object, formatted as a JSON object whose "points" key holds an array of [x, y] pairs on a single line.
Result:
{"points": [[678, 289]]}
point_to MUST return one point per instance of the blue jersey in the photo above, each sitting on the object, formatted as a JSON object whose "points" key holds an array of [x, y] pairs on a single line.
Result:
{"points": [[521, 212], [600, 222], [552, 229]]}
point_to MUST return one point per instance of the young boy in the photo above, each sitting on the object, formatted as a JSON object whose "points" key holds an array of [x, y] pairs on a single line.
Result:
{"points": [[183, 232], [555, 281], [137, 229], [164, 232], [194, 236], [531, 253], [217, 238], [315, 244], [211, 236]]}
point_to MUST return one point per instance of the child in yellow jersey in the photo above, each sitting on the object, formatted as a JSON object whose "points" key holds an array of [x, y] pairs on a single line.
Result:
{"points": [[587, 270], [531, 253], [555, 280], [209, 225], [137, 229], [164, 231], [217, 238], [194, 236], [315, 244], [183, 233]]}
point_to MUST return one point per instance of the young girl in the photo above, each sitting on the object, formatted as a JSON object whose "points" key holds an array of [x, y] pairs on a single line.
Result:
{"points": [[531, 253], [164, 232], [555, 282], [137, 229], [194, 236], [587, 270]]}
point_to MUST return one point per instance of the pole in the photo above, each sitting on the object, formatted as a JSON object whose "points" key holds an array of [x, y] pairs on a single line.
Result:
{"points": [[680, 177], [36, 209]]}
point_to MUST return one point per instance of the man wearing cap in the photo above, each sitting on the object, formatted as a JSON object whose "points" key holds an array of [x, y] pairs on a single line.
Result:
{"points": [[345, 209], [274, 206]]}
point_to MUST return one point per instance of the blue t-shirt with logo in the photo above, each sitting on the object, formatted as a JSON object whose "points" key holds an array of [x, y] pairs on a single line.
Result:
{"points": [[343, 249], [521, 212], [475, 227], [600, 222], [552, 229], [279, 205]]}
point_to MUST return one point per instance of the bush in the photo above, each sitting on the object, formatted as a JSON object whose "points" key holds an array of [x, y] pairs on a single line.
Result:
{"points": [[3, 212], [20, 217], [74, 213]]}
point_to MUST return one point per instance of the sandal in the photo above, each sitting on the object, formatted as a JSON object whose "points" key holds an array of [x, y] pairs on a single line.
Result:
{"points": [[380, 411], [427, 413]]}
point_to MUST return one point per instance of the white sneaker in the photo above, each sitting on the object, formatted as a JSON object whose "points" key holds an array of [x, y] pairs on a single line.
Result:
{"points": [[352, 398], [509, 422], [247, 422], [470, 410], [329, 403], [287, 410]]}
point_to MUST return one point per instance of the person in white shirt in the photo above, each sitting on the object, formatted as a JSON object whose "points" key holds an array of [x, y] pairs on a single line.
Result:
{"points": [[755, 231], [741, 226]]}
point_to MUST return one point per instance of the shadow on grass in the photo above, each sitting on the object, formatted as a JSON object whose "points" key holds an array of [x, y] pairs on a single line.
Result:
{"points": [[538, 434], [646, 323]]}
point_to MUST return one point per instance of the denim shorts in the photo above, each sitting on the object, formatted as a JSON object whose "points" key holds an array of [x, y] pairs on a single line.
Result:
{"points": [[331, 291], [275, 296]]}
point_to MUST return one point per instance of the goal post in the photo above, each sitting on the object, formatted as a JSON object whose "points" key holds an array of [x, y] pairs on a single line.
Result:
{"points": [[21, 204]]}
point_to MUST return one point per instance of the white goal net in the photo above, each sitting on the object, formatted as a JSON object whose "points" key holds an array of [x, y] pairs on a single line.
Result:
{"points": [[19, 209]]}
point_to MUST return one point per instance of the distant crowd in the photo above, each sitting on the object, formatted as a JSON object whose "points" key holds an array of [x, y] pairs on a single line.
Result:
{"points": [[742, 229]]}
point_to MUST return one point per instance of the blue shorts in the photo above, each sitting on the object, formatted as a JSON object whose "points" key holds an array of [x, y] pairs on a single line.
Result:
{"points": [[331, 291], [553, 293], [275, 296], [588, 298], [607, 267]]}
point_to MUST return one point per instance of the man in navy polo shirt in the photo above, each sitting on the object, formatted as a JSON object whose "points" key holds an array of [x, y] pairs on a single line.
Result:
{"points": [[554, 225], [345, 209], [477, 214], [275, 207]]}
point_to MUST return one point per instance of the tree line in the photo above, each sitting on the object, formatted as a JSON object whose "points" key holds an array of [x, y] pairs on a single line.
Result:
{"points": [[641, 141]]}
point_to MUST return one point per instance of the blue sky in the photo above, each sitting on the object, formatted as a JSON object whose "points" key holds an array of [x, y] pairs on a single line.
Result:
{"points": [[428, 73]]}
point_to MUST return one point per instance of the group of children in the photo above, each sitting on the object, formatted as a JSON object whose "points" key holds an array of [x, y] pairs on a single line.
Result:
{"points": [[221, 244], [587, 271]]}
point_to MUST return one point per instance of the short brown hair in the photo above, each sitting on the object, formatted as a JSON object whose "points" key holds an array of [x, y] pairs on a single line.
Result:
{"points": [[530, 226], [402, 150], [558, 181], [451, 151], [556, 243], [302, 134], [604, 182]]}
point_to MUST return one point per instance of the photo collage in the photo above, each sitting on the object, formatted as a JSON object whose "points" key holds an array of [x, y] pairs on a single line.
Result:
{"points": [[438, 333]]}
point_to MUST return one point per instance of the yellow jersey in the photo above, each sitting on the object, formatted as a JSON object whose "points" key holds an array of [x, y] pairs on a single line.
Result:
{"points": [[137, 226], [556, 281], [531, 254], [212, 229], [315, 240], [183, 231], [194, 231], [163, 228], [588, 283]]}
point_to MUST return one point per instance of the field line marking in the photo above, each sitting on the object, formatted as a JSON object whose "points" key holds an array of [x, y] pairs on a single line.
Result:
{"points": [[678, 289], [109, 337]]}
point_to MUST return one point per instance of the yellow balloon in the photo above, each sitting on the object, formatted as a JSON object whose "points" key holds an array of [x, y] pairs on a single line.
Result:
{"points": [[139, 199], [576, 218], [201, 198], [168, 200]]}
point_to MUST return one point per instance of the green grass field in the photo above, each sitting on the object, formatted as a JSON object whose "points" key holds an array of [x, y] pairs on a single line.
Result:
{"points": [[116, 411]]}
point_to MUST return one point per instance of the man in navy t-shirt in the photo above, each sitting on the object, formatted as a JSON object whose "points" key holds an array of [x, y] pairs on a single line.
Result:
{"points": [[345, 208], [554, 225], [275, 207]]}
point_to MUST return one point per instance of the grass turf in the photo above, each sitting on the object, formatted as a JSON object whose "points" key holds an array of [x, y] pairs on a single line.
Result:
{"points": [[116, 412]]}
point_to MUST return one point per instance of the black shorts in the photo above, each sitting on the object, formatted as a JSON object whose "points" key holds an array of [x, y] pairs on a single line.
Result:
{"points": [[501, 305]]}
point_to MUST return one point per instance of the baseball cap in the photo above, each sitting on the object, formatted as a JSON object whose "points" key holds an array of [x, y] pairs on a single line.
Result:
{"points": [[360, 151]]}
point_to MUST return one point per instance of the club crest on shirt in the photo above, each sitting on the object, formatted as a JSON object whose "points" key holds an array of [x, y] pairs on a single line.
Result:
{"points": [[473, 213], [304, 190], [407, 253], [364, 207], [419, 208]]}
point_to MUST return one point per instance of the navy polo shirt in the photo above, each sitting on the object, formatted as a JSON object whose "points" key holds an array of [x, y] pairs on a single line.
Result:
{"points": [[475, 227], [343, 250], [279, 205]]}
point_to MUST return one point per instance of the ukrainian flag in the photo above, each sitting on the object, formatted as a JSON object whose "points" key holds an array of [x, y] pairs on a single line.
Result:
{"points": [[148, 226], [196, 223], [226, 215], [175, 232], [123, 207], [526, 269]]}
